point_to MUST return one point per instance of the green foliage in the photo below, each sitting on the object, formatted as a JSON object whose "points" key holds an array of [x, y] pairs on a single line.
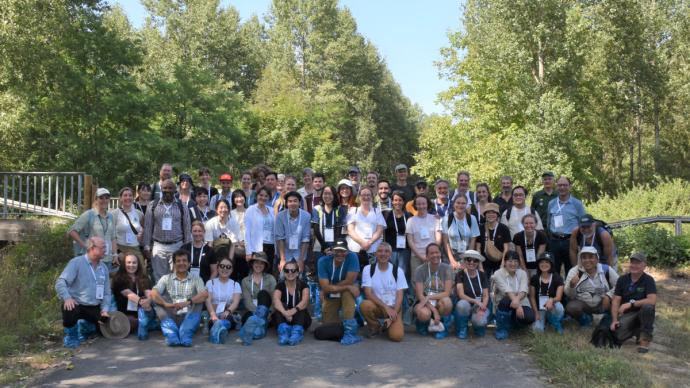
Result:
{"points": [[591, 90], [28, 272], [663, 249]]}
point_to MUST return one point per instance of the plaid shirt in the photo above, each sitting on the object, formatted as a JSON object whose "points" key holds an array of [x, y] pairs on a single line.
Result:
{"points": [[172, 289], [153, 225]]}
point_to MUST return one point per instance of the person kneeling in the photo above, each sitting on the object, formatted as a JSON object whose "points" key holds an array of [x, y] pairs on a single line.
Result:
{"points": [[291, 299], [223, 299], [433, 283], [384, 285], [132, 293], [337, 275], [473, 294], [545, 294], [511, 292], [589, 287], [179, 297], [633, 306]]}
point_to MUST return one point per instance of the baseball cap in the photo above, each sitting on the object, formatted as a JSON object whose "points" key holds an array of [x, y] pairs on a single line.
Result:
{"points": [[401, 166], [102, 191], [340, 245], [639, 256], [586, 220], [548, 173], [225, 177], [421, 183], [354, 169], [345, 182], [590, 250]]}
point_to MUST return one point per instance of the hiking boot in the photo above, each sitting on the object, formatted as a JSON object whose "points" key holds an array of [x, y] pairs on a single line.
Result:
{"points": [[643, 347]]}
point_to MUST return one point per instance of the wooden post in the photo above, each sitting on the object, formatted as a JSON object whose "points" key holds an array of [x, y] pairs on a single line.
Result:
{"points": [[88, 192], [678, 223]]}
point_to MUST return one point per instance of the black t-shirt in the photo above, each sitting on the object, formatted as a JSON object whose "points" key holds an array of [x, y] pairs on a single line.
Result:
{"points": [[201, 258], [503, 205], [501, 237], [120, 284], [627, 290], [463, 278], [287, 300], [539, 240], [541, 287], [389, 232]]}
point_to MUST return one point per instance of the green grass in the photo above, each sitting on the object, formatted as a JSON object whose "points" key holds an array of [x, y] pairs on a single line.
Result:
{"points": [[674, 322], [570, 360]]}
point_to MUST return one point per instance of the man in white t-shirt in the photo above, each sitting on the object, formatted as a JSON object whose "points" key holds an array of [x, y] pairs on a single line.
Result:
{"points": [[384, 289]]}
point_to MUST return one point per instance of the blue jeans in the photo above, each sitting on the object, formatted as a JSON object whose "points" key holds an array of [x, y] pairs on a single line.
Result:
{"points": [[402, 259], [557, 312]]}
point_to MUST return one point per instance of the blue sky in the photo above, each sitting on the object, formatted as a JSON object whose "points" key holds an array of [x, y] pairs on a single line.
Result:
{"points": [[407, 33]]}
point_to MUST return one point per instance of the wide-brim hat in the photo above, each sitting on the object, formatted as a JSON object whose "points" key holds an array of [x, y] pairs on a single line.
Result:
{"points": [[472, 254], [491, 207], [116, 326], [260, 256]]}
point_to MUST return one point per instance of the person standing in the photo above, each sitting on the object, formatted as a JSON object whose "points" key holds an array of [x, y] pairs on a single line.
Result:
{"points": [[97, 222], [383, 196], [401, 173], [84, 288], [313, 199], [463, 180], [505, 198], [225, 192], [563, 214], [541, 199], [167, 227], [308, 180], [205, 179], [292, 232], [441, 202], [164, 174]]}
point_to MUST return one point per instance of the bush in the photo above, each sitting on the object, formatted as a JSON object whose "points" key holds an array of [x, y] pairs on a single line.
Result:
{"points": [[663, 249], [28, 271]]}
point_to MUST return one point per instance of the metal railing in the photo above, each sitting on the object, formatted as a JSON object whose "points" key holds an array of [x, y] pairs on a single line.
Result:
{"points": [[677, 222], [59, 194]]}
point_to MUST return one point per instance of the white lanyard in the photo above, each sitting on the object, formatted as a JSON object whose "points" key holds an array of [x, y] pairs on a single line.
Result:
{"points": [[517, 284], [261, 285], [442, 208], [323, 219], [91, 268], [479, 281], [290, 231], [464, 227], [558, 203], [435, 273], [534, 239], [395, 221], [204, 214], [584, 240], [479, 210], [201, 253], [547, 287], [493, 238], [340, 275], [167, 209], [294, 295]]}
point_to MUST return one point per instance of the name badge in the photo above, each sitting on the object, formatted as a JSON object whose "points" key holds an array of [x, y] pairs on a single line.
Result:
{"points": [[220, 308], [167, 223], [558, 221], [130, 238], [424, 234], [131, 306], [542, 302], [334, 295], [328, 235], [531, 255], [267, 236], [400, 241], [195, 271], [182, 310], [100, 289], [293, 243], [366, 231], [462, 246], [255, 301]]}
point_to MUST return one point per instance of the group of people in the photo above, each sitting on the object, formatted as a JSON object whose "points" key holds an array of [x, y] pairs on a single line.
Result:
{"points": [[367, 252]]}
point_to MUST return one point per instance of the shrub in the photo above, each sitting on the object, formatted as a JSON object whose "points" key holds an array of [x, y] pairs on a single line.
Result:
{"points": [[28, 271], [663, 249]]}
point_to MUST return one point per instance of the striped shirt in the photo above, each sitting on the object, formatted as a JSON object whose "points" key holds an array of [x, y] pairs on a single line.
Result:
{"points": [[153, 229]]}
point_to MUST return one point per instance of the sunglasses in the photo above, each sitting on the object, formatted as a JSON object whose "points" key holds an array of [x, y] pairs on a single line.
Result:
{"points": [[472, 261], [224, 266], [295, 270]]}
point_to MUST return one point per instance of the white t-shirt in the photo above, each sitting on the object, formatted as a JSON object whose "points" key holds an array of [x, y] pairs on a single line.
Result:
{"points": [[383, 283], [222, 292], [214, 229], [123, 230], [423, 229], [365, 227]]}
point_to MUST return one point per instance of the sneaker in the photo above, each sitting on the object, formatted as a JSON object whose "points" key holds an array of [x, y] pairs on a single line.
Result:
{"points": [[643, 347], [435, 328]]}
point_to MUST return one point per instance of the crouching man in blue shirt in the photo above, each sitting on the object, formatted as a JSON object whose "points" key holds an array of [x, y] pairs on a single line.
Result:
{"points": [[84, 287]]}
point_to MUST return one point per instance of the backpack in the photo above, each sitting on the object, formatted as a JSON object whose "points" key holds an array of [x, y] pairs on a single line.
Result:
{"points": [[372, 269], [603, 337], [510, 210], [468, 218], [179, 206], [606, 274]]}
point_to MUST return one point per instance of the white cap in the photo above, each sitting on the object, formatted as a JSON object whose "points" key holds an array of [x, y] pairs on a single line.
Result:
{"points": [[588, 249], [102, 191], [346, 182]]}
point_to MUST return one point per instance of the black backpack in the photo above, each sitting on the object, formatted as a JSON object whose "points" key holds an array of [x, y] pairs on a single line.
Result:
{"points": [[510, 210], [372, 269], [603, 337], [468, 218]]}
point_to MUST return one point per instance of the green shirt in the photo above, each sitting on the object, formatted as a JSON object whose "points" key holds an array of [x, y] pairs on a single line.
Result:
{"points": [[540, 202]]}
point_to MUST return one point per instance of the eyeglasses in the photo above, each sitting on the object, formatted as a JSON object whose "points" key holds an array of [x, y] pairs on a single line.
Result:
{"points": [[472, 261], [224, 266], [295, 270], [104, 197]]}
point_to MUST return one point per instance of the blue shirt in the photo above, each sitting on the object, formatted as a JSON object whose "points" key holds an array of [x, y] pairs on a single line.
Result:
{"points": [[571, 210], [79, 281], [326, 268], [288, 228]]}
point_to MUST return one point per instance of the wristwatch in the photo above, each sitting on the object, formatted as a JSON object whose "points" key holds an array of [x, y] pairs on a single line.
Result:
{"points": [[632, 303]]}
